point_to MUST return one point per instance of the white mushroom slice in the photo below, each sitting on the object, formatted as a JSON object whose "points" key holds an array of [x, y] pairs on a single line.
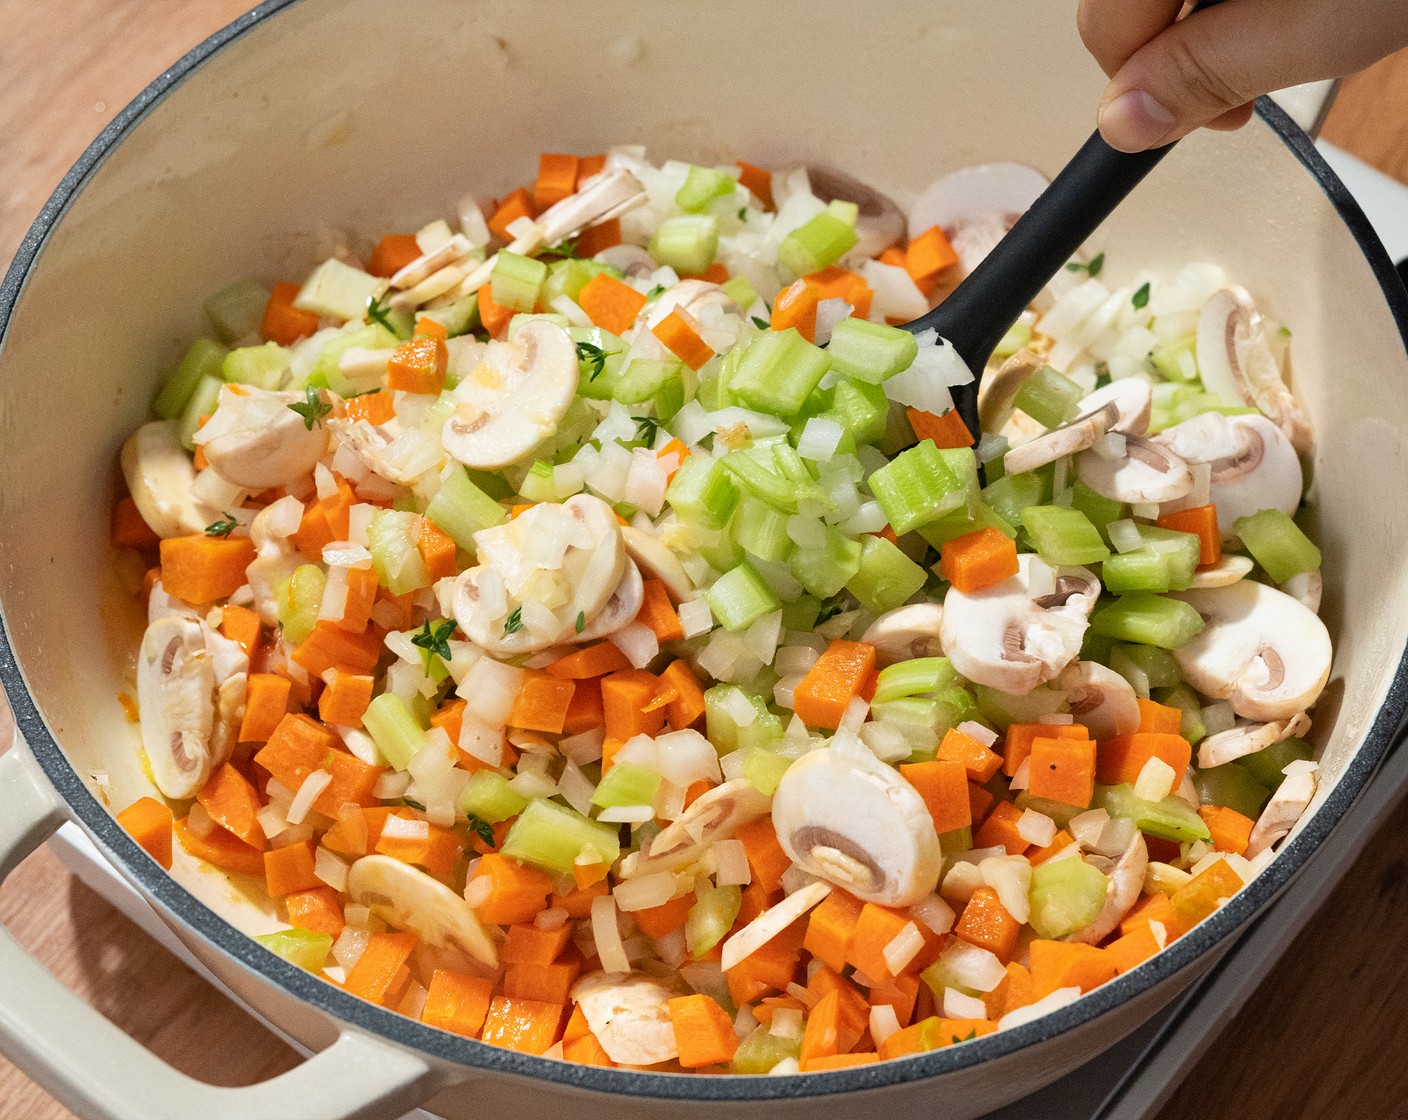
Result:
{"points": [[1126, 883], [771, 922], [1248, 737], [656, 561], [997, 391], [604, 196], [274, 562], [1080, 434], [713, 816], [1261, 651], [630, 1017], [879, 222], [1305, 588], [231, 667], [1147, 472], [160, 605], [907, 632], [1023, 631], [1100, 699], [1227, 571], [1286, 806], [1254, 466], [176, 699], [409, 899], [620, 610], [1005, 189], [632, 260], [514, 398], [1236, 362], [427, 264], [690, 296], [159, 476], [857, 825], [1133, 398], [255, 441]]}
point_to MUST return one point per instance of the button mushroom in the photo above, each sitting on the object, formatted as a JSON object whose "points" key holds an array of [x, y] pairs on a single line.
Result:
{"points": [[879, 222], [1227, 571], [656, 561], [630, 1017], [1261, 651], [1133, 398], [1126, 884], [907, 632], [275, 558], [1100, 699], [513, 399], [713, 816], [231, 667], [1286, 807], [859, 825], [1254, 466], [253, 440], [632, 260], [994, 190], [1305, 588], [409, 899], [1248, 737], [1069, 439], [159, 475], [688, 295], [176, 701], [1146, 472], [1017, 634], [1236, 362], [997, 392], [620, 610]]}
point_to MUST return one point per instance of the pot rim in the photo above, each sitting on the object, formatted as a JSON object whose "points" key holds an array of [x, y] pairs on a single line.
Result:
{"points": [[181, 906]]}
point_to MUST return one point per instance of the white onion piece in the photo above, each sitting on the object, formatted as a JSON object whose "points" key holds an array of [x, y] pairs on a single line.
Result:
{"points": [[1061, 997], [903, 948], [645, 892], [973, 967], [606, 935], [883, 1022], [330, 869], [959, 1006], [1036, 828], [732, 860], [934, 913]]}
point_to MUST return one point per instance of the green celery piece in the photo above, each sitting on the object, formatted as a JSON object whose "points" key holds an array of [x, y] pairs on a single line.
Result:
{"points": [[1165, 562], [741, 291], [461, 509], [702, 186], [593, 383], [956, 841], [740, 597], [777, 373], [762, 1050], [919, 719], [1058, 811], [723, 730], [1017, 336], [460, 317], [338, 290], [1157, 666], [488, 797], [237, 312], [266, 367], [1063, 535], [686, 244], [1003, 709], [1191, 727], [916, 487], [395, 554], [761, 530], [395, 729], [1098, 510], [862, 409], [301, 947], [517, 281], [551, 837], [703, 492], [824, 571], [816, 244], [325, 371], [1277, 544], [919, 676], [1048, 397], [965, 519], [1177, 360], [714, 911], [886, 577], [1266, 765], [1232, 786], [801, 614], [1066, 895], [569, 276], [537, 485], [1012, 493], [642, 378], [725, 554], [764, 768], [299, 599], [1169, 819], [1149, 620], [870, 352], [756, 471], [203, 359], [201, 404], [626, 783]]}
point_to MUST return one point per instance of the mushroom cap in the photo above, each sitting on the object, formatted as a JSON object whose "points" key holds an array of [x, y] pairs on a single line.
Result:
{"points": [[712, 816], [176, 702], [1227, 571], [255, 441], [1100, 699], [1003, 190], [1254, 466], [1069, 439], [1021, 632], [1248, 738], [407, 898], [655, 560], [1133, 398], [629, 1015], [621, 607], [630, 259], [907, 632], [1306, 588], [879, 222], [159, 475], [604, 196], [997, 391], [1146, 472], [1285, 808], [1261, 650], [690, 296]]}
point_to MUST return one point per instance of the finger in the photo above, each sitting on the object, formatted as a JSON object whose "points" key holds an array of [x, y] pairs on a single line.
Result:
{"points": [[1112, 30], [1233, 119]]}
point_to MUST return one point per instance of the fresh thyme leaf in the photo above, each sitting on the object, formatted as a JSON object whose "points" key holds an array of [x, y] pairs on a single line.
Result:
{"points": [[581, 621], [595, 358], [646, 429], [482, 829], [315, 408], [1102, 375], [1140, 299], [967, 1037], [761, 324], [434, 637], [222, 527], [655, 291], [829, 610], [567, 250], [743, 213], [413, 804], [363, 393], [379, 312], [514, 622], [1092, 269]]}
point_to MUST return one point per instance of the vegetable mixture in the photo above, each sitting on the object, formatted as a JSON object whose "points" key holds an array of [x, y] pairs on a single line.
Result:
{"points": [[593, 630]]}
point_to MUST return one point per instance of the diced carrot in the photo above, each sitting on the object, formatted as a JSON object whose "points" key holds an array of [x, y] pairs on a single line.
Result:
{"points": [[1065, 964], [283, 323], [393, 253], [580, 1045], [678, 332], [795, 308], [928, 257], [418, 366], [557, 178], [437, 849], [265, 705], [241, 625], [404, 607], [933, 1033], [657, 921], [703, 1031], [625, 697], [876, 927], [1063, 770], [457, 1002], [830, 928], [298, 746], [578, 901], [331, 647], [839, 283], [493, 317], [1202, 522], [1122, 757], [757, 899], [1018, 743], [527, 1025], [431, 328], [687, 707], [437, 549], [356, 834], [542, 703], [603, 235], [1000, 830], [1231, 831], [346, 698], [149, 822], [290, 869], [946, 429], [220, 849], [979, 802], [978, 761], [318, 910], [593, 661], [898, 992], [201, 569], [375, 407], [610, 304], [766, 859], [373, 976], [979, 559], [716, 273], [233, 804], [517, 205], [1200, 897], [324, 521], [657, 612], [838, 1061], [853, 1012], [986, 923], [1132, 949], [943, 785], [1014, 991], [758, 180], [1151, 908], [546, 983], [518, 891], [769, 968], [482, 847], [838, 676], [584, 711], [821, 1038], [129, 530], [353, 782], [1159, 718], [893, 256], [1062, 841], [527, 944]]}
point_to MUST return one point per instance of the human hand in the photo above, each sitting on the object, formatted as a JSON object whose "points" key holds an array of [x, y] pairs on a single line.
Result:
{"points": [[1168, 78]]}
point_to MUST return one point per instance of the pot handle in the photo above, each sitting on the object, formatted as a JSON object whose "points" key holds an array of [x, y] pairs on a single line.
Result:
{"points": [[97, 1071]]}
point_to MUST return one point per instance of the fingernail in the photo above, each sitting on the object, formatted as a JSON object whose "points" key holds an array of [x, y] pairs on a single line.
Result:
{"points": [[1134, 121]]}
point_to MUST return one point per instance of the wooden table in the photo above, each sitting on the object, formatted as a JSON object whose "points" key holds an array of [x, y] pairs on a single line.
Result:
{"points": [[1324, 1037]]}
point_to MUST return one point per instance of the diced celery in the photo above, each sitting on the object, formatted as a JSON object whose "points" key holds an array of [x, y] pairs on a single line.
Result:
{"points": [[1003, 708], [267, 366], [1066, 895], [395, 553], [870, 352], [489, 797], [863, 410], [723, 729], [1012, 493], [1148, 619], [1176, 360], [886, 577], [299, 599], [1233, 787], [457, 318], [1062, 535], [967, 518], [1156, 667], [237, 312], [1277, 544], [1166, 562], [326, 371], [723, 554], [816, 244], [756, 471], [1169, 819], [203, 359], [568, 277], [741, 291], [537, 485], [394, 729], [1098, 510], [711, 917], [202, 404], [915, 487], [740, 597], [762, 1050], [552, 836], [642, 378], [338, 290], [764, 768], [702, 186], [461, 509], [1048, 397], [686, 244], [1191, 725], [600, 356], [302, 947], [626, 783], [1017, 336], [761, 529], [778, 371], [703, 492], [801, 614], [1058, 811], [918, 718], [844, 209], [919, 676], [825, 570], [1266, 765], [517, 281]]}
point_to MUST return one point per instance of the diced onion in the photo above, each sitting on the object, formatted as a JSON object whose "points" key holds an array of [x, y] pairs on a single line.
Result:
{"points": [[625, 814], [478, 890], [1085, 827], [786, 1023], [732, 860], [1036, 828], [645, 892], [480, 741], [805, 995], [1022, 778], [199, 822], [351, 943], [903, 948], [490, 688], [312, 787], [819, 439], [403, 828], [1124, 535], [973, 967], [391, 785], [576, 788], [583, 749], [638, 642], [959, 1006], [686, 757], [1156, 780], [961, 881], [1061, 997], [975, 730], [934, 913], [330, 869], [1011, 878], [695, 617], [271, 820]]}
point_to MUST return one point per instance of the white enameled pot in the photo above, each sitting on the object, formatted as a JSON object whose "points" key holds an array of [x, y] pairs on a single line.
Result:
{"points": [[361, 115]]}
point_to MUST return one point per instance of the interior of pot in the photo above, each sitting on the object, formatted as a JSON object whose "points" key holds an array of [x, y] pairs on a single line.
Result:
{"points": [[324, 118]]}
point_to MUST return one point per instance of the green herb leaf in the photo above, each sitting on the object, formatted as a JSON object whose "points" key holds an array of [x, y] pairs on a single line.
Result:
{"points": [[379, 312], [482, 828], [1092, 269], [315, 408], [646, 429], [743, 213], [829, 610], [567, 250], [223, 527], [363, 393], [1102, 375], [434, 637], [514, 622], [595, 358], [413, 804], [581, 621], [659, 289], [967, 1037], [761, 324], [1140, 299]]}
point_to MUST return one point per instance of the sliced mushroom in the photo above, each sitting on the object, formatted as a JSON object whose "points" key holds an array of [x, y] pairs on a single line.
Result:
{"points": [[1133, 398], [231, 667], [997, 392], [620, 610], [1248, 737], [176, 700], [1236, 362], [514, 399], [1254, 466], [632, 260], [630, 1017], [1261, 651], [1126, 883], [1069, 439], [656, 560], [771, 922], [857, 825], [713, 816], [1286, 806], [160, 605], [1023, 631], [274, 562], [409, 899], [159, 475], [907, 632], [1227, 571], [1146, 472], [688, 295], [1305, 588], [1100, 699], [879, 222], [255, 441]]}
